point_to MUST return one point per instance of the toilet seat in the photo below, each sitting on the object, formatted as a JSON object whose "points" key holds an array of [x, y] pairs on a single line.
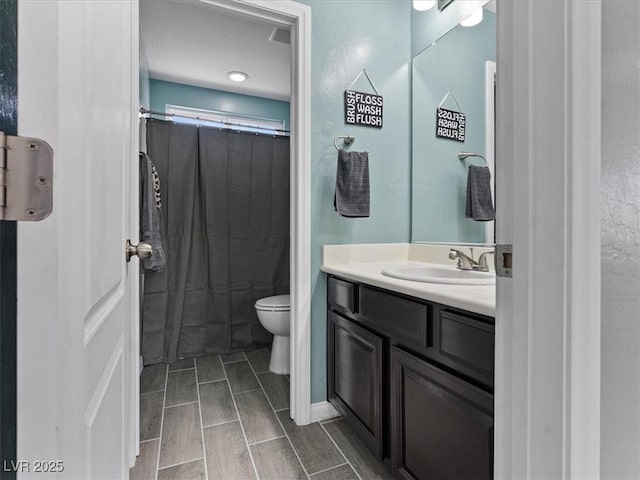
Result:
{"points": [[277, 303]]}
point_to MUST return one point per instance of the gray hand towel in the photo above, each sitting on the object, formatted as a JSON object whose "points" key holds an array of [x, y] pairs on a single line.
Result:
{"points": [[352, 184], [479, 203], [151, 225]]}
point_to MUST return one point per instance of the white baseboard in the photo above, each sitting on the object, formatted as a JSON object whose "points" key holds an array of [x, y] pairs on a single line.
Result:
{"points": [[322, 411]]}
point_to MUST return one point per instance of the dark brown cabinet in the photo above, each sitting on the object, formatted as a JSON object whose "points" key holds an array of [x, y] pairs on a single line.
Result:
{"points": [[355, 378], [414, 378], [441, 426]]}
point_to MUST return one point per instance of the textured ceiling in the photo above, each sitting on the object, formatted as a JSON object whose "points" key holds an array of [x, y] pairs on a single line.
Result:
{"points": [[190, 42]]}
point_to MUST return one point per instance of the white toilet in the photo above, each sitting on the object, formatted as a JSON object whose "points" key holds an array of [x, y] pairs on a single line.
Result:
{"points": [[274, 314]]}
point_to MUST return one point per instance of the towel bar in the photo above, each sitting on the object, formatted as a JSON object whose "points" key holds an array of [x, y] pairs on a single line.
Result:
{"points": [[348, 140], [464, 155]]}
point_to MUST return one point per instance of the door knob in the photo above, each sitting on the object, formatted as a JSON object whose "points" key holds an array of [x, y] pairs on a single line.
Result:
{"points": [[142, 250]]}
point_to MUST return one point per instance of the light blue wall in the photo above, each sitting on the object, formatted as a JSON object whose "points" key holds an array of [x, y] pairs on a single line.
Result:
{"points": [[346, 38], [163, 93], [457, 63]]}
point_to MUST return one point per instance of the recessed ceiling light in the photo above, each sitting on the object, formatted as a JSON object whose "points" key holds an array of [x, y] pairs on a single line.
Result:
{"points": [[237, 76]]}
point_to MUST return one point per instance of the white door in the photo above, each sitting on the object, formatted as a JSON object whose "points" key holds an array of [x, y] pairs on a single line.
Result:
{"points": [[77, 297], [547, 380]]}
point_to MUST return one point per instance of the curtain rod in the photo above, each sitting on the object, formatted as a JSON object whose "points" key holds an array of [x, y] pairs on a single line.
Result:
{"points": [[230, 126]]}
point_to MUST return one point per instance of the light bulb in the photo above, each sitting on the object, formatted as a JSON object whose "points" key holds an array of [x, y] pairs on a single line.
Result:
{"points": [[422, 5], [474, 19], [237, 76]]}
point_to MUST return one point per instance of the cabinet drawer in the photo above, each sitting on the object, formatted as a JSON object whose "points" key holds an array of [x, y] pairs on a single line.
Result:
{"points": [[342, 294], [399, 316], [466, 344]]}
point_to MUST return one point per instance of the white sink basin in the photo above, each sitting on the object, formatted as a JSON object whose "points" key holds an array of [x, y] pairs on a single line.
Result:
{"points": [[441, 274]]}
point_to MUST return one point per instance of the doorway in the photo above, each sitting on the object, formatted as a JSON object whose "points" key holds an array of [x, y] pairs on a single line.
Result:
{"points": [[291, 18]]}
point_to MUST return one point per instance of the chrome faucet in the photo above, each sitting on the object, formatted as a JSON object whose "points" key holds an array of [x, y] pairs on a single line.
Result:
{"points": [[465, 262], [483, 266]]}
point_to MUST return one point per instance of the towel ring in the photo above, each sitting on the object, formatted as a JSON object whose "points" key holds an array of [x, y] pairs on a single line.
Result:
{"points": [[464, 155], [347, 140]]}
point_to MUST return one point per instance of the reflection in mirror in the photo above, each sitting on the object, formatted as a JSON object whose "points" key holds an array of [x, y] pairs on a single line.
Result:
{"points": [[461, 62]]}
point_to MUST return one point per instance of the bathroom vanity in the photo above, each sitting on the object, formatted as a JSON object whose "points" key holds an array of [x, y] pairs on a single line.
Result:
{"points": [[412, 373]]}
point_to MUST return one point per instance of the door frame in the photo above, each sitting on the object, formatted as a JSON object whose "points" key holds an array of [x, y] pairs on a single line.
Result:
{"points": [[8, 250], [490, 137], [133, 305], [547, 380], [297, 17]]}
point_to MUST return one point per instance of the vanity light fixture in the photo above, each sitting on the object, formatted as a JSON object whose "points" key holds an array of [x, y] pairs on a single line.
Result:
{"points": [[422, 5], [237, 76], [474, 19]]}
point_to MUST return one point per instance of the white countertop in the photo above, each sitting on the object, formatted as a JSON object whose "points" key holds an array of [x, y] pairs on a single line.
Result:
{"points": [[366, 269]]}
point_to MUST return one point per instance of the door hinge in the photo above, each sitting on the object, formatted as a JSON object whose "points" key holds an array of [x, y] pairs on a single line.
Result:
{"points": [[504, 259], [26, 178]]}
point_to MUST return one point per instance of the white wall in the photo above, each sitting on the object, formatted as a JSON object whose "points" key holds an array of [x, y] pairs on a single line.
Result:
{"points": [[620, 399]]}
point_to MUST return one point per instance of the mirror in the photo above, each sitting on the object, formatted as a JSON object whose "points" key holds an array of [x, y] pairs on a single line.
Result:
{"points": [[456, 72]]}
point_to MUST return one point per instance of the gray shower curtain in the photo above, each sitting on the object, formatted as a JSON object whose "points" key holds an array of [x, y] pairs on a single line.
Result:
{"points": [[225, 201]]}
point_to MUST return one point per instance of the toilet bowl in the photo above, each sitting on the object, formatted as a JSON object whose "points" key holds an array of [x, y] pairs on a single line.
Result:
{"points": [[274, 314]]}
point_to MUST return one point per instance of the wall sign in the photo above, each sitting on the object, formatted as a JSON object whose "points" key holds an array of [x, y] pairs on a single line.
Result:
{"points": [[364, 109], [450, 124]]}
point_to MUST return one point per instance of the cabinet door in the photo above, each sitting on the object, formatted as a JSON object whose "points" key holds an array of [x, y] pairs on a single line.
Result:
{"points": [[441, 426], [355, 377]]}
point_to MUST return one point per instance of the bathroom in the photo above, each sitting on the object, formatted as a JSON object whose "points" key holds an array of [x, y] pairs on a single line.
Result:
{"points": [[566, 335], [370, 65]]}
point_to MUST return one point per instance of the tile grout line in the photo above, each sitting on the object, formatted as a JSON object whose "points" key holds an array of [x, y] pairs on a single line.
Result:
{"points": [[204, 447], [268, 440], [164, 400], [221, 423], [213, 381], [181, 404], [182, 369], [339, 449], [279, 422], [244, 391], [181, 463], [327, 469], [235, 361], [244, 434]]}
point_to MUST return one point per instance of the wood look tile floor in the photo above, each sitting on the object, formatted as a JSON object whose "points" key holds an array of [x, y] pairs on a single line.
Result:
{"points": [[226, 417]]}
